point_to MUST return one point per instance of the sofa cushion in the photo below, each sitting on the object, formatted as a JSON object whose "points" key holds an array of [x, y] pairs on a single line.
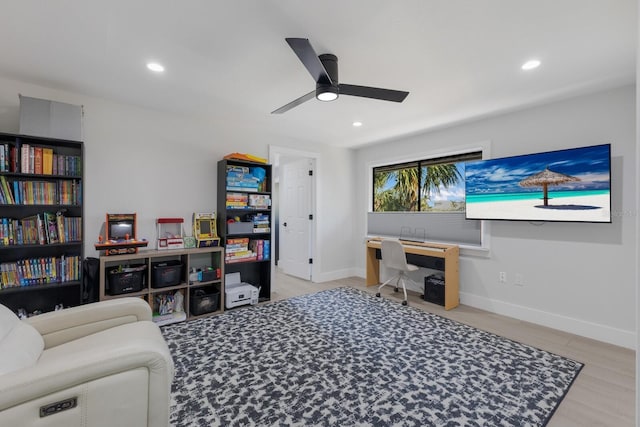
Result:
{"points": [[20, 343]]}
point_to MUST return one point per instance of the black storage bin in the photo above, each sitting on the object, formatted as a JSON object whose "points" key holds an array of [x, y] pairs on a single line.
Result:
{"points": [[203, 302], [166, 273], [434, 289], [126, 279]]}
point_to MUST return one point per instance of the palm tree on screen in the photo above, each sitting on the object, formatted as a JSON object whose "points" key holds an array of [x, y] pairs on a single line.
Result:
{"points": [[436, 176], [398, 190]]}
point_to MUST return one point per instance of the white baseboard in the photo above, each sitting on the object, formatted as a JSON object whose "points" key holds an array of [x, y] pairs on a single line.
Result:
{"points": [[336, 275], [615, 336], [583, 328]]}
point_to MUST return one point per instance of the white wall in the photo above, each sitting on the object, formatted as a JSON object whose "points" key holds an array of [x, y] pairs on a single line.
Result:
{"points": [[578, 277], [637, 263], [163, 165]]}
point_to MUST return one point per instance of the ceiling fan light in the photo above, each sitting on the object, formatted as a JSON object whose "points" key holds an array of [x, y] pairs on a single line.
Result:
{"points": [[326, 93]]}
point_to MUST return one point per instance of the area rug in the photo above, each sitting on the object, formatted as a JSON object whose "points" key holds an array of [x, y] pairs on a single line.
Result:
{"points": [[346, 358]]}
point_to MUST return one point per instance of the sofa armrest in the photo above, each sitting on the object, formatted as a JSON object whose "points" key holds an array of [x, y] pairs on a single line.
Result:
{"points": [[94, 358], [58, 327]]}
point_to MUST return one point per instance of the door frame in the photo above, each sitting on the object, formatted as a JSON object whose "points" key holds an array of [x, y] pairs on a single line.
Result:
{"points": [[275, 152]]}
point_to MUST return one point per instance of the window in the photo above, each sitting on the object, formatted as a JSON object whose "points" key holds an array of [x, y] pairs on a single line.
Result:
{"points": [[428, 185]]}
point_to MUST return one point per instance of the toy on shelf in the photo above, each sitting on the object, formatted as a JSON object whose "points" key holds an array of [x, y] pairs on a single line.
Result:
{"points": [[170, 233], [246, 157], [120, 235], [204, 230]]}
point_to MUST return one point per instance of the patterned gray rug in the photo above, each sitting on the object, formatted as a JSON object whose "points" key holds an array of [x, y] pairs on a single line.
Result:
{"points": [[346, 358]]}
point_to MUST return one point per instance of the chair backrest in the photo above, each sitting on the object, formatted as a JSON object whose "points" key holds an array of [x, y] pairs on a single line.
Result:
{"points": [[393, 255]]}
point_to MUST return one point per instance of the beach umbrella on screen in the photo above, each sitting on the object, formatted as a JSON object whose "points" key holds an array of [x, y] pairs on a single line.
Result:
{"points": [[546, 178]]}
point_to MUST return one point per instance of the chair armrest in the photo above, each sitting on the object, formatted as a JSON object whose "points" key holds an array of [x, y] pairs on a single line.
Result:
{"points": [[59, 327], [94, 357]]}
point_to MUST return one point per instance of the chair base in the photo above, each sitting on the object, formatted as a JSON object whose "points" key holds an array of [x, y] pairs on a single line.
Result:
{"points": [[400, 279]]}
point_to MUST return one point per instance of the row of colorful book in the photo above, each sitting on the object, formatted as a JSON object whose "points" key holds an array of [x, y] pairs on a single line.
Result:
{"points": [[63, 192], [45, 228], [244, 249], [39, 271], [248, 201], [237, 250], [37, 160], [261, 223], [262, 249], [237, 201], [243, 178]]}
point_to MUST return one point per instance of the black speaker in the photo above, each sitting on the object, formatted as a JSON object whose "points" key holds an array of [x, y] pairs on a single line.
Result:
{"points": [[434, 289], [90, 280]]}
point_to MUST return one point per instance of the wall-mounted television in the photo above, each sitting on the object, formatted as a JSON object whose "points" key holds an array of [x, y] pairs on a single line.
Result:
{"points": [[571, 185]]}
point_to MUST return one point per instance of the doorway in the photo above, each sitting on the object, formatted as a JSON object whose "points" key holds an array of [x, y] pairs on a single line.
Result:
{"points": [[294, 205]]}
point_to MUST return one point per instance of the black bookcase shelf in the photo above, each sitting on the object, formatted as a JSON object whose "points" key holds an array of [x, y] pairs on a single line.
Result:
{"points": [[254, 271], [65, 162]]}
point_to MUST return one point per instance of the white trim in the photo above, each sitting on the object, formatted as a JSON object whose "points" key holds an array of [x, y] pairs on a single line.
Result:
{"points": [[603, 333], [484, 250], [583, 328], [337, 275], [275, 152]]}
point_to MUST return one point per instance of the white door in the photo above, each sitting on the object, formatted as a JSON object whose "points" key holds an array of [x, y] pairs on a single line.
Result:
{"points": [[295, 222]]}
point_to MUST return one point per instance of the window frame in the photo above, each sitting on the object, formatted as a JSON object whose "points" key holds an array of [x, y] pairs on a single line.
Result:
{"points": [[482, 250], [451, 158]]}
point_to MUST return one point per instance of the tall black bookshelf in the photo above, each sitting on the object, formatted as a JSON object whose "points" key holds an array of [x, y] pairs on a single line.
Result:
{"points": [[40, 179], [244, 213]]}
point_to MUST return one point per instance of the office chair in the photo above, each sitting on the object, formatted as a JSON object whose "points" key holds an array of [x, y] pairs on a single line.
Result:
{"points": [[394, 258]]}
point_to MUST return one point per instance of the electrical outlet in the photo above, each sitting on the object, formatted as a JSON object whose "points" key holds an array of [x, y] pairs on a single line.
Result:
{"points": [[502, 277], [519, 280]]}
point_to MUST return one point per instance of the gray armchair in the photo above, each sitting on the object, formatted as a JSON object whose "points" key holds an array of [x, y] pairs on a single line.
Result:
{"points": [[100, 364]]}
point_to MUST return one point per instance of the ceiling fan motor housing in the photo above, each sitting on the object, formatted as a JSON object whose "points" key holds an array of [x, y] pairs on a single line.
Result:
{"points": [[330, 63], [325, 88]]}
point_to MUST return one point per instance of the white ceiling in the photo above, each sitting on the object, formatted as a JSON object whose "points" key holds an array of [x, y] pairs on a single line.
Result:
{"points": [[228, 61]]}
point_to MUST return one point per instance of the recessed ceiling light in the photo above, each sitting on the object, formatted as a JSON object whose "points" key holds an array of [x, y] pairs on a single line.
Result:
{"points": [[530, 65], [357, 124], [154, 66]]}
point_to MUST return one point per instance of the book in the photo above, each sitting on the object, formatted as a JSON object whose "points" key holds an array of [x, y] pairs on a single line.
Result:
{"points": [[3, 155], [5, 189], [234, 260], [47, 161], [24, 158], [62, 235], [51, 228], [31, 159], [42, 239], [13, 158], [37, 160]]}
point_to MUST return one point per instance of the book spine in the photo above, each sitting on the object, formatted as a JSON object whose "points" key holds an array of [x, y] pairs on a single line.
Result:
{"points": [[3, 155], [47, 161], [37, 160]]}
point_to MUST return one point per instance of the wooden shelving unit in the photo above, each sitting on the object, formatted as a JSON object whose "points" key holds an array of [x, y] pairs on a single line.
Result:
{"points": [[189, 258]]}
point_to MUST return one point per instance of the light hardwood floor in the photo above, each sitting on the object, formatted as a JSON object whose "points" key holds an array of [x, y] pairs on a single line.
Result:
{"points": [[602, 395]]}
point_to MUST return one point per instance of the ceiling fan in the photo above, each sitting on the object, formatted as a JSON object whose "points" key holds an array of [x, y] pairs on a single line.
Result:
{"points": [[324, 70]]}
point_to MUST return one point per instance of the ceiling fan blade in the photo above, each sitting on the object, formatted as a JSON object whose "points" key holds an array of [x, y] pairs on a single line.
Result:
{"points": [[295, 103], [309, 59], [373, 92]]}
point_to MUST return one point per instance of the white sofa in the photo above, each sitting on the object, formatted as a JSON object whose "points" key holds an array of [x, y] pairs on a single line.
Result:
{"points": [[100, 364]]}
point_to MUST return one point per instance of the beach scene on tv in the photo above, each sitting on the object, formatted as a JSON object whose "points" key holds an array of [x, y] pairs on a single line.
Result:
{"points": [[564, 185]]}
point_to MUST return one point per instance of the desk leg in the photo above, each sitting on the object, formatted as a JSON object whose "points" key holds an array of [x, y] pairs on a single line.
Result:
{"points": [[451, 280], [373, 268]]}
